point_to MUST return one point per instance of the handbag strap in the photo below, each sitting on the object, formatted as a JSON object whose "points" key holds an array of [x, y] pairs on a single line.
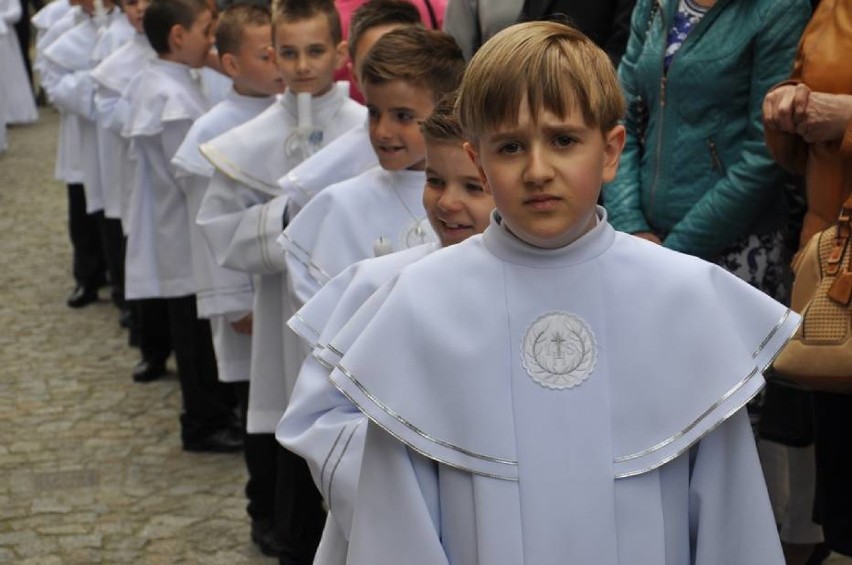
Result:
{"points": [[841, 238]]}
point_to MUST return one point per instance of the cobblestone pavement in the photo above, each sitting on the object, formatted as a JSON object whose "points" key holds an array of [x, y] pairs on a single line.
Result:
{"points": [[91, 469]]}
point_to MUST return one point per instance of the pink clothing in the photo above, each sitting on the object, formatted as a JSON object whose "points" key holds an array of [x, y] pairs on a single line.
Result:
{"points": [[347, 7]]}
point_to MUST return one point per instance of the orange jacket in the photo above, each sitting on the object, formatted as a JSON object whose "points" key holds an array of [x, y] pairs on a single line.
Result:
{"points": [[822, 63]]}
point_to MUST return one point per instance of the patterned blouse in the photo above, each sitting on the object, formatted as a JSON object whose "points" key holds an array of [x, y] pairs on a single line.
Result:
{"points": [[689, 13]]}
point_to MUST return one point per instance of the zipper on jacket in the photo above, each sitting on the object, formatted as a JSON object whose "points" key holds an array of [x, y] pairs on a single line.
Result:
{"points": [[718, 165], [659, 145], [661, 13]]}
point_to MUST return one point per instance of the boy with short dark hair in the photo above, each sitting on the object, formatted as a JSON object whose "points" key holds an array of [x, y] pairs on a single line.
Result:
{"points": [[321, 424], [350, 154], [165, 102], [404, 75], [244, 211], [225, 296], [526, 405]]}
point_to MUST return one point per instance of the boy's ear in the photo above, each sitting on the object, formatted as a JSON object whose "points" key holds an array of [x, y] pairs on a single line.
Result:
{"points": [[473, 153], [613, 146], [341, 55], [230, 64], [177, 37]]}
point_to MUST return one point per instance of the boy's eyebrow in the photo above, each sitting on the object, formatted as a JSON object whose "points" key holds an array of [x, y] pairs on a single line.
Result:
{"points": [[572, 129]]}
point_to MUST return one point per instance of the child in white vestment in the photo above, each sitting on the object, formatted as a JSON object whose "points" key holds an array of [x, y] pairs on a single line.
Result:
{"points": [[65, 65], [225, 296], [403, 76], [320, 424], [166, 100], [554, 391], [17, 106], [243, 212], [350, 154]]}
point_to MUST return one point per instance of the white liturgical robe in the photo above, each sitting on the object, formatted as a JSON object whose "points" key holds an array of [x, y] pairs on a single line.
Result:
{"points": [[159, 260], [113, 77], [222, 294], [320, 424], [573, 405], [241, 216], [68, 81], [347, 156], [17, 106], [378, 210]]}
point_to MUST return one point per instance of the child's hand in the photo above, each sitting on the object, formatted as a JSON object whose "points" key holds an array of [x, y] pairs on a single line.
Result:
{"points": [[649, 236], [243, 325]]}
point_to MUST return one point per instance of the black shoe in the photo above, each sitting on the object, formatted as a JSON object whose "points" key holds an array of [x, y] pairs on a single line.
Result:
{"points": [[146, 371], [226, 440], [82, 296], [263, 535]]}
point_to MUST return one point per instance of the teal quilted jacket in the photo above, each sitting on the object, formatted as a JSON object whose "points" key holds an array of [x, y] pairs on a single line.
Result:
{"points": [[703, 178]]}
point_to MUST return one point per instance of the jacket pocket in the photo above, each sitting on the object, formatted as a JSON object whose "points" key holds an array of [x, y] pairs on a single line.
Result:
{"points": [[715, 159]]}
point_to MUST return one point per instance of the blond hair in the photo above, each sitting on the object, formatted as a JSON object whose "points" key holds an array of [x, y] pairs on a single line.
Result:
{"points": [[552, 66], [291, 11]]}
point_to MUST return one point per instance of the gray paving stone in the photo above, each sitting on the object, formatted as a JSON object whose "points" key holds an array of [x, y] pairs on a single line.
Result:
{"points": [[91, 469]]}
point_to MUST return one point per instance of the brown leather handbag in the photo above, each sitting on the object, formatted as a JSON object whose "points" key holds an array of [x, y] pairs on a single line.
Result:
{"points": [[819, 356]]}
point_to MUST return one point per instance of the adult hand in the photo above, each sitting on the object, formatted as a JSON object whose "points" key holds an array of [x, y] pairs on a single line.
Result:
{"points": [[826, 118], [243, 325], [784, 106], [649, 236]]}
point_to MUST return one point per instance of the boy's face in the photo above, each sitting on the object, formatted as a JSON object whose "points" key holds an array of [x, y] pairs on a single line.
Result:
{"points": [[307, 55], [135, 12], [191, 46], [396, 109], [545, 177], [455, 202], [368, 38], [253, 67]]}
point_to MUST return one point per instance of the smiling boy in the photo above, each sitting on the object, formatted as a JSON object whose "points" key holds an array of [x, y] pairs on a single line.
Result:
{"points": [[525, 407], [242, 214], [321, 424], [404, 75]]}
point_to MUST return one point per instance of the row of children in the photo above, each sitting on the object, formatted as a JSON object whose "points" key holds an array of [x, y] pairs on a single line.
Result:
{"points": [[17, 104], [523, 405]]}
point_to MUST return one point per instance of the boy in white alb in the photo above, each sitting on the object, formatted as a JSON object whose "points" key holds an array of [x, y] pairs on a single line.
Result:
{"points": [[166, 100], [320, 424], [112, 76], [17, 105], [88, 259], [225, 296], [380, 211], [244, 211], [553, 391], [350, 154]]}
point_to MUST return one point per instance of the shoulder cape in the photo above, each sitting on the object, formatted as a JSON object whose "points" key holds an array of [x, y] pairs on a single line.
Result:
{"points": [[431, 364]]}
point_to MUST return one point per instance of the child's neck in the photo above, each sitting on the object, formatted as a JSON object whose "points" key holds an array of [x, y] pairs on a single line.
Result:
{"points": [[243, 91], [172, 58]]}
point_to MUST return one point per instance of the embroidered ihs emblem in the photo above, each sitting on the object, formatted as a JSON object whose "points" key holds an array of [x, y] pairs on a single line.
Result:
{"points": [[559, 350], [417, 232]]}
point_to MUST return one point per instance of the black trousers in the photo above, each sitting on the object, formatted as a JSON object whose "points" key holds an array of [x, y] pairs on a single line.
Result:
{"points": [[208, 405], [113, 243], [151, 317], [299, 516], [89, 264], [833, 415]]}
